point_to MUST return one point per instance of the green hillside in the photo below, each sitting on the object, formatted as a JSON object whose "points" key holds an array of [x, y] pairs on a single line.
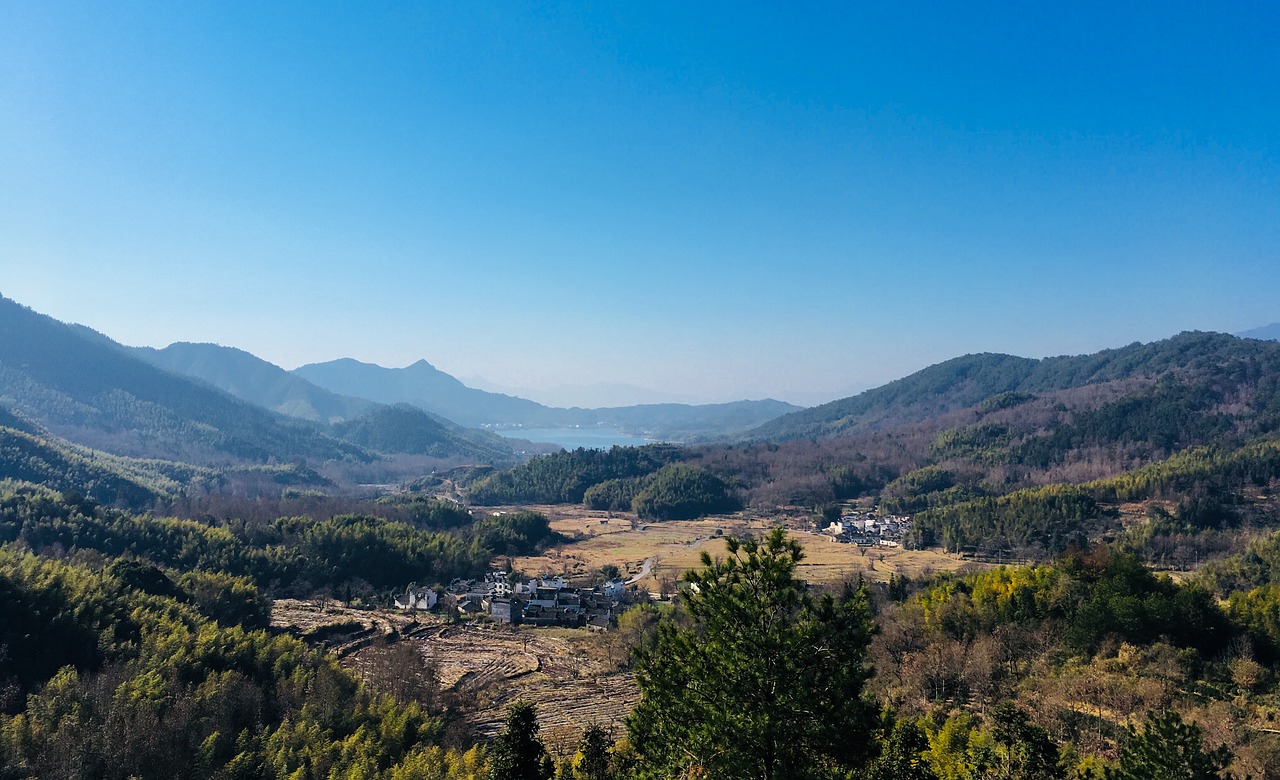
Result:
{"points": [[405, 429], [93, 392], [252, 379], [30, 458], [967, 381]]}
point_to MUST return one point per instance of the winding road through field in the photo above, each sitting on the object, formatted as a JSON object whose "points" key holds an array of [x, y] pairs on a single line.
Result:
{"points": [[644, 571]]}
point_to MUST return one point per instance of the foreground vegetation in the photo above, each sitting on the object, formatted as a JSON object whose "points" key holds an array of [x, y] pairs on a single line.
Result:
{"points": [[127, 671], [138, 647]]}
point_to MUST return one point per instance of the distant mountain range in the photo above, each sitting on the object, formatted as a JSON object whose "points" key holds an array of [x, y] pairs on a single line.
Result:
{"points": [[211, 405], [422, 385], [972, 379], [254, 379], [1266, 333], [342, 390], [86, 388], [80, 386], [64, 387], [426, 387]]}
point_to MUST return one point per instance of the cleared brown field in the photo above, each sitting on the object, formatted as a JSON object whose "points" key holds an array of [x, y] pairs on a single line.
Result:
{"points": [[569, 674], [309, 614], [566, 674]]}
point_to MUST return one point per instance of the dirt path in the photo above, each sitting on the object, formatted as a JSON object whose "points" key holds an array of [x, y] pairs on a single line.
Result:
{"points": [[644, 571]]}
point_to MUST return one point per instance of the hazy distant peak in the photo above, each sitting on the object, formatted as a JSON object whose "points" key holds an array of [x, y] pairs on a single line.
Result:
{"points": [[345, 361], [200, 345], [206, 347], [1265, 333], [352, 363], [250, 378]]}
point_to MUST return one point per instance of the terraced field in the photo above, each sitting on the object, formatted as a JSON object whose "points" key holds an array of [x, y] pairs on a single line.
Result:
{"points": [[563, 672], [567, 673]]}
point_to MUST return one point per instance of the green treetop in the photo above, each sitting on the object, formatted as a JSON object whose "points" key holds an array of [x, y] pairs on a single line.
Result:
{"points": [[518, 753], [1169, 749], [756, 678]]}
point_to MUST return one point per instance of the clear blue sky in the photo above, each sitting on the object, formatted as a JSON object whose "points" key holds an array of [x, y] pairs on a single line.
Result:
{"points": [[717, 200]]}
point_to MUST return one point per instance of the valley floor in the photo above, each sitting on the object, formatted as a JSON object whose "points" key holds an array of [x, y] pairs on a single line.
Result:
{"points": [[596, 539]]}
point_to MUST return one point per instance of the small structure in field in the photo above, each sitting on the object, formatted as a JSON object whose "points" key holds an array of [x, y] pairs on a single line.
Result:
{"points": [[422, 599]]}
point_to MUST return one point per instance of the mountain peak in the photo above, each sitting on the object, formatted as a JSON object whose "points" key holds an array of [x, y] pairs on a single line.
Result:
{"points": [[1265, 333]]}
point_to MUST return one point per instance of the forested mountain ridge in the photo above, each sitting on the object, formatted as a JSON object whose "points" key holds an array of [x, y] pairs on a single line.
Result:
{"points": [[91, 391], [406, 429], [253, 379], [368, 424], [1123, 410], [31, 458], [422, 385], [79, 385], [969, 380]]}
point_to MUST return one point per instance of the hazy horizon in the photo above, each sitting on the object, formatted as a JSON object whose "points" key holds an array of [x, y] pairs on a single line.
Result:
{"points": [[711, 202]]}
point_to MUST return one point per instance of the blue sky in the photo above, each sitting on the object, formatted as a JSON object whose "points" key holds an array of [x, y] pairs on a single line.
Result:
{"points": [[709, 200]]}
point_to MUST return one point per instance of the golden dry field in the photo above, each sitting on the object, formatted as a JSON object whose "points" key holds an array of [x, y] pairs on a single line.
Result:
{"points": [[673, 547], [568, 674]]}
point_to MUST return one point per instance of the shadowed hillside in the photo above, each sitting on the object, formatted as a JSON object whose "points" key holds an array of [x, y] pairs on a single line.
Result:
{"points": [[92, 391], [255, 380]]}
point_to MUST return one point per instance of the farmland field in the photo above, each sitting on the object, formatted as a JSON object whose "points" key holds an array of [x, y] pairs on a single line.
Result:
{"points": [[570, 675], [598, 538], [573, 675]]}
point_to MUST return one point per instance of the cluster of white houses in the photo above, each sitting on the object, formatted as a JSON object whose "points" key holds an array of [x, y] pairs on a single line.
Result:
{"points": [[869, 529], [544, 601]]}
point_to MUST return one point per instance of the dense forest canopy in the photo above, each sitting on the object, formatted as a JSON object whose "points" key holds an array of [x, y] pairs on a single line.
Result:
{"points": [[287, 556], [565, 477]]}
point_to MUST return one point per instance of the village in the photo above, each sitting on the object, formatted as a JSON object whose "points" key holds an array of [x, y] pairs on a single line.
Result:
{"points": [[539, 601], [549, 600], [869, 529]]}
